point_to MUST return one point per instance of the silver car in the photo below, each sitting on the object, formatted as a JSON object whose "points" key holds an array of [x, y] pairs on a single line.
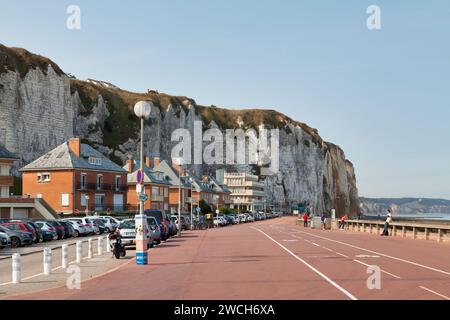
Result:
{"points": [[5, 240], [154, 228], [127, 230]]}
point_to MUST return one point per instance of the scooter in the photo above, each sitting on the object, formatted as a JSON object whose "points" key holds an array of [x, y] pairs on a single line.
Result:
{"points": [[117, 247]]}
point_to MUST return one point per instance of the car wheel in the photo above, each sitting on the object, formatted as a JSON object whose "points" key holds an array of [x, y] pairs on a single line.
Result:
{"points": [[15, 242], [158, 241], [76, 234], [107, 230]]}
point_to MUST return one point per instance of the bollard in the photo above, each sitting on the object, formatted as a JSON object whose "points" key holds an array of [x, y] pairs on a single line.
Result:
{"points": [[79, 251], [16, 268], [47, 261], [100, 245], [65, 256], [108, 244], [90, 253]]}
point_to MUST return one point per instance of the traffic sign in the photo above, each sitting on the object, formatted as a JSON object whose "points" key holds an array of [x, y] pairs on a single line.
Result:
{"points": [[139, 176], [139, 188], [143, 197]]}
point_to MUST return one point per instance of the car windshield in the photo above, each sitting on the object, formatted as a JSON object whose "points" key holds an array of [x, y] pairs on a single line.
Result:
{"points": [[127, 224], [87, 220], [151, 221], [3, 229]]}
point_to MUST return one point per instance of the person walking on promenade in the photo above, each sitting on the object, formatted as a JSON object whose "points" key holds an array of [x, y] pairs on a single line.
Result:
{"points": [[322, 221], [342, 222], [305, 219], [386, 223]]}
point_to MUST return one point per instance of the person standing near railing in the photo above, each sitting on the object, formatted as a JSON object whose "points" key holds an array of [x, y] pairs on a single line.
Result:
{"points": [[386, 223]]}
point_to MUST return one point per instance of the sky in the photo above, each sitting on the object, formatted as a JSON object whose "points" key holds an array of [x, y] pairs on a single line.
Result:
{"points": [[382, 95]]}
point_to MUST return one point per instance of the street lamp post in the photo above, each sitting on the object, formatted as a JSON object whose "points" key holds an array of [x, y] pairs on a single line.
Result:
{"points": [[239, 202], [142, 109], [179, 197]]}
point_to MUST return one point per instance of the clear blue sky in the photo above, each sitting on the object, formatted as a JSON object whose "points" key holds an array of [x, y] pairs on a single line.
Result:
{"points": [[383, 96]]}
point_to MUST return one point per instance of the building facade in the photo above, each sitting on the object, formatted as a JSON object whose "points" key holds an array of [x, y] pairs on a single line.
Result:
{"points": [[75, 178], [156, 186], [6, 179], [247, 192]]}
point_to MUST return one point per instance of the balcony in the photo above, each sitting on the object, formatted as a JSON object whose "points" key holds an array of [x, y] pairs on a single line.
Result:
{"points": [[102, 187], [7, 181], [249, 193], [157, 198]]}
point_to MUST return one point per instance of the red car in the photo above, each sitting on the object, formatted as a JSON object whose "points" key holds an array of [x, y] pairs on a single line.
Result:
{"points": [[22, 227]]}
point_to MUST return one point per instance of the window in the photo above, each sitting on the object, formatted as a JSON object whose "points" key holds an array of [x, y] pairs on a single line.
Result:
{"points": [[161, 191], [99, 182], [65, 199], [166, 192], [39, 196], [43, 177], [117, 183], [83, 181], [83, 200], [155, 191], [99, 202], [95, 161]]}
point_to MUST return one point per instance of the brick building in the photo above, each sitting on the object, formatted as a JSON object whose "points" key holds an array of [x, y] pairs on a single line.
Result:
{"points": [[74, 177]]}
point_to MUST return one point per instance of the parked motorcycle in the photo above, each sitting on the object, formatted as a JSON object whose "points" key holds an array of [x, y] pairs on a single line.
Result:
{"points": [[117, 247]]}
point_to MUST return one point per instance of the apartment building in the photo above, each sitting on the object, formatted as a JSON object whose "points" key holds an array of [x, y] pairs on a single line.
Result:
{"points": [[6, 179], [156, 186], [75, 178], [247, 191]]}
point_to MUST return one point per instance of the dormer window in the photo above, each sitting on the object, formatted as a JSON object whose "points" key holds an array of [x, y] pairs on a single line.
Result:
{"points": [[43, 177], [95, 161]]}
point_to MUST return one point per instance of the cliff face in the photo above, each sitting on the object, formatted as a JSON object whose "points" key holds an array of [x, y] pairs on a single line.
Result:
{"points": [[40, 107]]}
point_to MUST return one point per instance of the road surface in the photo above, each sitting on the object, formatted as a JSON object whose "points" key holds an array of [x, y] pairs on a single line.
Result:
{"points": [[276, 259]]}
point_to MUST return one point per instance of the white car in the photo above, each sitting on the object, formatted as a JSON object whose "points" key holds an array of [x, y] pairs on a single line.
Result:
{"points": [[127, 230], [86, 222], [110, 224], [116, 221], [79, 229]]}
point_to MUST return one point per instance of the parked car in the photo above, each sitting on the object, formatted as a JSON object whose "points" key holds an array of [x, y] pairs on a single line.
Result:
{"points": [[60, 231], [86, 222], [68, 229], [34, 226], [47, 230], [127, 230], [155, 230], [176, 223], [172, 226], [101, 225], [17, 238], [78, 228], [110, 224], [22, 227], [5, 240], [116, 221], [162, 222]]}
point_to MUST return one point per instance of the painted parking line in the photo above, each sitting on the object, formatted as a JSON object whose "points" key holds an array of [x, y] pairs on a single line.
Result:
{"points": [[368, 265], [381, 254], [434, 292], [334, 284]]}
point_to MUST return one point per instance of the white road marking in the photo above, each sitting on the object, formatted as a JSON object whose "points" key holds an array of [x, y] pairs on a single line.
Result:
{"points": [[343, 255], [317, 245], [327, 249], [381, 254], [436, 293], [368, 265], [291, 240], [366, 256], [348, 294]]}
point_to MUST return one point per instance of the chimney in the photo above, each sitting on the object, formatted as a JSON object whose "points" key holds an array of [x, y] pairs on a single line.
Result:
{"points": [[176, 166], [156, 161], [75, 146], [148, 162], [130, 164]]}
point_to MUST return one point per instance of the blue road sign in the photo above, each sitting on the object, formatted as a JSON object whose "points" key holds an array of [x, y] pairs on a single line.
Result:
{"points": [[143, 197], [139, 176]]}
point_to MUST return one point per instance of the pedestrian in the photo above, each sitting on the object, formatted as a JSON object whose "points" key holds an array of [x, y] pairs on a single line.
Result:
{"points": [[342, 222], [323, 220], [305, 219], [386, 223]]}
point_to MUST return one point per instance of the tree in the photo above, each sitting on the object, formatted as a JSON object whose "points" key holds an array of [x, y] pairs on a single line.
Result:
{"points": [[204, 207]]}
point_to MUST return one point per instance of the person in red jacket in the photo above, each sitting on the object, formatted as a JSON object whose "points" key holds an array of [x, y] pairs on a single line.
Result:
{"points": [[342, 222], [305, 220]]}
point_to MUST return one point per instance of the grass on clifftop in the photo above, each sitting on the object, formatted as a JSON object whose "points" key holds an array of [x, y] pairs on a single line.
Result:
{"points": [[22, 61]]}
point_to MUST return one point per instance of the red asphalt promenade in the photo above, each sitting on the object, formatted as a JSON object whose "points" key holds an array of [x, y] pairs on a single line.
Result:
{"points": [[275, 259]]}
